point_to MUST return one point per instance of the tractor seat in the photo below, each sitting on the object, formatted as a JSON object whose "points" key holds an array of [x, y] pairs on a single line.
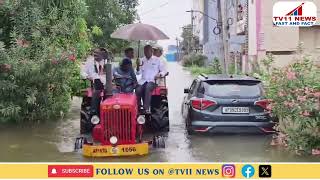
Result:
{"points": [[160, 90]]}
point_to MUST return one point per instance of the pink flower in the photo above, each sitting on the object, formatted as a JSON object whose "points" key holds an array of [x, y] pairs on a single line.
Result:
{"points": [[22, 43], [64, 55], [316, 94], [302, 98], [54, 62], [289, 104], [273, 78], [291, 75], [281, 94], [305, 113], [72, 57], [5, 67], [316, 151], [308, 91], [269, 107]]}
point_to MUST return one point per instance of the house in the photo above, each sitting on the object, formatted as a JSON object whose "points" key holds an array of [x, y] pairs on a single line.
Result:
{"points": [[251, 34], [206, 28]]}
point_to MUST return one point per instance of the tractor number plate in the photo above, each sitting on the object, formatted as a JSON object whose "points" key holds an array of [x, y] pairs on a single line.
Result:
{"points": [[120, 150]]}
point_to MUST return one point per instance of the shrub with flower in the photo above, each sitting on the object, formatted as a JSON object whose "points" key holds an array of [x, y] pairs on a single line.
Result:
{"points": [[295, 91], [39, 61]]}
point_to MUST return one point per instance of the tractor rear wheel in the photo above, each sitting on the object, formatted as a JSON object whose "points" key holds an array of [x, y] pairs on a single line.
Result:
{"points": [[85, 124], [158, 142]]}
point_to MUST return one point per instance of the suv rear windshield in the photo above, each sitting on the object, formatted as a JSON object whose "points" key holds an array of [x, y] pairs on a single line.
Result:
{"points": [[225, 89]]}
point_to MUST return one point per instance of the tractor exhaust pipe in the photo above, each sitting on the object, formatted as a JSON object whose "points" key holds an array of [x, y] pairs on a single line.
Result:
{"points": [[108, 86]]}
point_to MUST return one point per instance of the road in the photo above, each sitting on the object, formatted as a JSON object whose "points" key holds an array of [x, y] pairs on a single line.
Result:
{"points": [[53, 141]]}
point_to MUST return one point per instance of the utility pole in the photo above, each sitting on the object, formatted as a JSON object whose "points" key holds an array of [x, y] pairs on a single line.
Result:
{"points": [[192, 25], [223, 6], [178, 49]]}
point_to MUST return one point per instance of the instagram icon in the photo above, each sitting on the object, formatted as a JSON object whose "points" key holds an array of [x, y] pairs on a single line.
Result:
{"points": [[228, 171]]}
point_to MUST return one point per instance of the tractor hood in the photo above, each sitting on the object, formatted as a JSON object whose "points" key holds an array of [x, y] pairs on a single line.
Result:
{"points": [[120, 101]]}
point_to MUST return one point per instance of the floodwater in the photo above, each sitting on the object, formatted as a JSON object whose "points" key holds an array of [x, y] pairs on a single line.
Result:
{"points": [[54, 141]]}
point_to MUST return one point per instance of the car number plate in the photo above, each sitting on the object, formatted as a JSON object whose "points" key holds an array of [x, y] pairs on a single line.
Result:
{"points": [[235, 110]]}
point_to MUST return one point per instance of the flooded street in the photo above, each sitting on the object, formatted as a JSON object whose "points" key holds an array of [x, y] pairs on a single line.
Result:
{"points": [[52, 142]]}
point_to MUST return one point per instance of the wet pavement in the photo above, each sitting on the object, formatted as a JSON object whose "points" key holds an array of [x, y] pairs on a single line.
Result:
{"points": [[54, 141]]}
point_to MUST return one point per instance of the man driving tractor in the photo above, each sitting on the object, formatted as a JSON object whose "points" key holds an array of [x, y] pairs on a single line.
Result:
{"points": [[151, 68], [124, 77]]}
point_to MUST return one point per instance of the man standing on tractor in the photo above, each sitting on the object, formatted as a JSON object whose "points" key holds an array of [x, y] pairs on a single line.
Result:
{"points": [[150, 68], [158, 52], [94, 71], [129, 53]]}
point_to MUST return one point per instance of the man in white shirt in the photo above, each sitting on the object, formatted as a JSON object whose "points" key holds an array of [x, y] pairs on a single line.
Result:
{"points": [[94, 71], [151, 68], [158, 52], [94, 67]]}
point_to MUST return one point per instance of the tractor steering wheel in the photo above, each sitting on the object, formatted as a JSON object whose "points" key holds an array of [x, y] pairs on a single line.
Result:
{"points": [[126, 85]]}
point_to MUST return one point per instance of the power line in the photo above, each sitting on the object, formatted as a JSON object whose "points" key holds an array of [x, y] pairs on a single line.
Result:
{"points": [[157, 7]]}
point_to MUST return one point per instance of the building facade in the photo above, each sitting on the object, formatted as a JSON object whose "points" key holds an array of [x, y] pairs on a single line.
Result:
{"points": [[251, 34], [207, 29]]}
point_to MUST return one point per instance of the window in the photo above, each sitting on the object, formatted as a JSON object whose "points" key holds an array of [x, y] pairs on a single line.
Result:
{"points": [[232, 89], [193, 86]]}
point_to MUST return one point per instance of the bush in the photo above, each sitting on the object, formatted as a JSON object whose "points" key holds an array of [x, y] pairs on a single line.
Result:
{"points": [[295, 91], [39, 63], [194, 60], [196, 70], [213, 68]]}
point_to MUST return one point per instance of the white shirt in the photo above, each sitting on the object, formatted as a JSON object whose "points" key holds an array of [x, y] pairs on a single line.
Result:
{"points": [[89, 70], [161, 81], [150, 69]]}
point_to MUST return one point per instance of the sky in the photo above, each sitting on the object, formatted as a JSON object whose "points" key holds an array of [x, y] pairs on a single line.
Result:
{"points": [[167, 15]]}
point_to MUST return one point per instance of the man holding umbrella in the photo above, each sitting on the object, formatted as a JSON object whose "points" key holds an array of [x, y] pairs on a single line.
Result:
{"points": [[151, 68]]}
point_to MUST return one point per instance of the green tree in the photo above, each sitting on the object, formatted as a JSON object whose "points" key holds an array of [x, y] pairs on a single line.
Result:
{"points": [[190, 42], [39, 57], [109, 15]]}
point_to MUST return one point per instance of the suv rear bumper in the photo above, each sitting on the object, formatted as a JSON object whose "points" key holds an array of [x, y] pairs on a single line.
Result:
{"points": [[232, 127]]}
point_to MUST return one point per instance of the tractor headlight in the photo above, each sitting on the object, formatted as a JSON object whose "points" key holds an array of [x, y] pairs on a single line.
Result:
{"points": [[95, 120], [113, 140], [141, 119]]}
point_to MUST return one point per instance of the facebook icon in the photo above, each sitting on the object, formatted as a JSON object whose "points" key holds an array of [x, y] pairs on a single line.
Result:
{"points": [[247, 171]]}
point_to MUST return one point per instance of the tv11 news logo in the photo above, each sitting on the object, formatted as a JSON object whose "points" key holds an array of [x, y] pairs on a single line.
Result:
{"points": [[294, 13]]}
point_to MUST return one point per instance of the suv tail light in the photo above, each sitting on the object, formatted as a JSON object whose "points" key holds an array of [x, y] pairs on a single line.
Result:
{"points": [[263, 103], [202, 104]]}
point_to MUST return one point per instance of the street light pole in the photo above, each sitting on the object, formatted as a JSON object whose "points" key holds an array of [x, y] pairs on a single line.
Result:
{"points": [[192, 25]]}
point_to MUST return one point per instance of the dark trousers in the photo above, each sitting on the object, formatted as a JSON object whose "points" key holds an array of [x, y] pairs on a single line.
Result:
{"points": [[144, 92], [95, 101], [96, 97]]}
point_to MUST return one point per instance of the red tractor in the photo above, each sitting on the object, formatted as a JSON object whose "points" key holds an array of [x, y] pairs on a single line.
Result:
{"points": [[119, 128]]}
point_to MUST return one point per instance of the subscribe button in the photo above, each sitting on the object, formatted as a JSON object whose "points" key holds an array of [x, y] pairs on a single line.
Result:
{"points": [[70, 171]]}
